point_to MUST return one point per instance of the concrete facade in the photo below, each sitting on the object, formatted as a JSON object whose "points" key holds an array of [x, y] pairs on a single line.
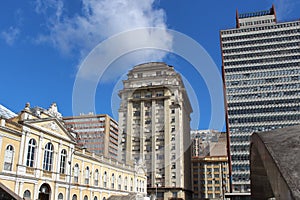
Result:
{"points": [[275, 171], [154, 119]]}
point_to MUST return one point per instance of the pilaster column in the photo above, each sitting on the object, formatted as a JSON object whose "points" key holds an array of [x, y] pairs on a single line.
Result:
{"points": [[142, 128], [21, 189], [128, 151], [0, 143], [56, 192], [205, 179], [36, 191], [82, 173], [80, 194], [17, 186], [153, 144], [39, 162], [21, 150], [54, 164], [167, 142], [58, 160], [27, 137]]}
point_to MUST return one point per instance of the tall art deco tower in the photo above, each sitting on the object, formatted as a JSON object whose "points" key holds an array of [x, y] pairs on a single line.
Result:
{"points": [[261, 71], [154, 119]]}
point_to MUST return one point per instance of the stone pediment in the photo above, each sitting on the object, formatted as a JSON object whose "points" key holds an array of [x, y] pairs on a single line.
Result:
{"points": [[52, 126]]}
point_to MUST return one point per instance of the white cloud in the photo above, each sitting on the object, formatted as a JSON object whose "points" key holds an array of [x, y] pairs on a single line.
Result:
{"points": [[10, 35], [98, 20]]}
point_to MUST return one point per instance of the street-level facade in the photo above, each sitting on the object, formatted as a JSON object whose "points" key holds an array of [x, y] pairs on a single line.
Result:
{"points": [[154, 119], [261, 72], [41, 160]]}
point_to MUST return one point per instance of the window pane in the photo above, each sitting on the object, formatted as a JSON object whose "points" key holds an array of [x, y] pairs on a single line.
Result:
{"points": [[8, 158], [60, 196]]}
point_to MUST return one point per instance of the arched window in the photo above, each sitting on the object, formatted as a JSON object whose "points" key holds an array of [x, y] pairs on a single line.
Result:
{"points": [[113, 181], [31, 153], [87, 175], [95, 198], [104, 198], [27, 194], [8, 158], [85, 197], [120, 182], [48, 157], [44, 191], [105, 179], [76, 172], [126, 183], [74, 197], [60, 196], [63, 159], [96, 177]]}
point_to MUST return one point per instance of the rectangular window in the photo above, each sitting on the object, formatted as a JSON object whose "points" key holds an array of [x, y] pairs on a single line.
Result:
{"points": [[140, 75], [160, 93], [148, 94], [137, 95], [173, 166], [173, 156], [173, 129], [173, 120]]}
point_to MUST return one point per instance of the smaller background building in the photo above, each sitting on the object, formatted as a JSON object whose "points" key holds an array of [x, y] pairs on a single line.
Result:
{"points": [[209, 165], [98, 133]]}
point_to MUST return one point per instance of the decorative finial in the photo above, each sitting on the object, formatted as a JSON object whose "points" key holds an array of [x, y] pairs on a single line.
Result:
{"points": [[53, 110], [27, 106]]}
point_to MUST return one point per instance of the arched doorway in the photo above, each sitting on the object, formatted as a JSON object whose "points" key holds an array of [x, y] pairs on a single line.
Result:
{"points": [[45, 192]]}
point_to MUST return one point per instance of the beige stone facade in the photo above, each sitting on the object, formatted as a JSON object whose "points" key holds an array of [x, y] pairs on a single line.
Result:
{"points": [[40, 159], [154, 119]]}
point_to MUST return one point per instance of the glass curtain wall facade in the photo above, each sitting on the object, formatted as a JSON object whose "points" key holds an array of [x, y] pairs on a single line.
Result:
{"points": [[261, 73]]}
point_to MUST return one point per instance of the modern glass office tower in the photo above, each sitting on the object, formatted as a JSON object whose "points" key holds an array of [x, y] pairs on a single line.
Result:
{"points": [[154, 119], [261, 72]]}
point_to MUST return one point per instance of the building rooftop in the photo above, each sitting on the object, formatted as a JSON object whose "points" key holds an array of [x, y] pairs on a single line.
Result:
{"points": [[255, 14], [6, 113], [276, 155], [261, 13]]}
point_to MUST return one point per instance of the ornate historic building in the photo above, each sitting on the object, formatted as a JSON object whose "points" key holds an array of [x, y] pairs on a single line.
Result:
{"points": [[154, 118], [40, 159]]}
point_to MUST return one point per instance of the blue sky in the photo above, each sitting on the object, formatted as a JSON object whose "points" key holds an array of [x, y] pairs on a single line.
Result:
{"points": [[44, 42]]}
